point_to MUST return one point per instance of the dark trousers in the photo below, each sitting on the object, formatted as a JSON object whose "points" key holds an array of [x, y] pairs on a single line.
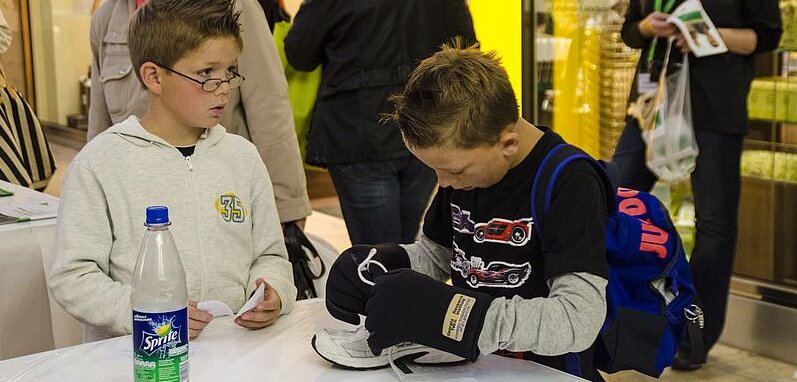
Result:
{"points": [[715, 185], [383, 201]]}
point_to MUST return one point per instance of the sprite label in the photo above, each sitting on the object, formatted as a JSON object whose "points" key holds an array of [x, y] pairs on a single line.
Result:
{"points": [[160, 346]]}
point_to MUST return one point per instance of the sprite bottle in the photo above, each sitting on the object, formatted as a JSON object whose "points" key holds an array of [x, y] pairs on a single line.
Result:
{"points": [[160, 305]]}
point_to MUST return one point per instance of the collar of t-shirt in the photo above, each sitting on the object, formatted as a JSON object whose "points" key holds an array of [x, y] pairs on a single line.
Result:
{"points": [[520, 173], [187, 151]]}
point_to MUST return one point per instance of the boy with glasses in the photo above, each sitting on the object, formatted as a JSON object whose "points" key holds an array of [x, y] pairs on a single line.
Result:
{"points": [[258, 110], [216, 186]]}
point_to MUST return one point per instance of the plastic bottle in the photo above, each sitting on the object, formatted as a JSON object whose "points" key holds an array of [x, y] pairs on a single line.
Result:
{"points": [[160, 305]]}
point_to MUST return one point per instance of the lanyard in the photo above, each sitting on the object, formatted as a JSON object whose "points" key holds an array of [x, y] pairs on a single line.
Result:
{"points": [[657, 7]]}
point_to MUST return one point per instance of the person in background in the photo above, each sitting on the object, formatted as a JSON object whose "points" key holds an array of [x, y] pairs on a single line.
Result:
{"points": [[367, 50], [259, 110], [275, 12], [719, 88], [5, 33], [220, 199]]}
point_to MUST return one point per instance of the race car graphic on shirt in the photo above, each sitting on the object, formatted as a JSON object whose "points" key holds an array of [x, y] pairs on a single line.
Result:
{"points": [[460, 220], [497, 274], [459, 262], [512, 232]]}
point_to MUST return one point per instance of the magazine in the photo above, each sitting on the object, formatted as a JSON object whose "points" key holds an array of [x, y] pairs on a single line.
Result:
{"points": [[698, 30], [22, 204]]}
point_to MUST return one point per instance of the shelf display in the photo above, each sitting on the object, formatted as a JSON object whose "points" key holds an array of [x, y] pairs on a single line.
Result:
{"points": [[584, 72], [766, 248], [773, 98]]}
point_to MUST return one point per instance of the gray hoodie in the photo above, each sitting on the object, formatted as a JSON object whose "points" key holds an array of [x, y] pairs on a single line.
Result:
{"points": [[221, 205]]}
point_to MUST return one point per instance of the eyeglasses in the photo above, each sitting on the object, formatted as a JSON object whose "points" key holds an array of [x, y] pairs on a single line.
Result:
{"points": [[211, 84]]}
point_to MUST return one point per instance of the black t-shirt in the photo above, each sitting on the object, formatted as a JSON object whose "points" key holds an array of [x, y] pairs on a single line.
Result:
{"points": [[495, 248]]}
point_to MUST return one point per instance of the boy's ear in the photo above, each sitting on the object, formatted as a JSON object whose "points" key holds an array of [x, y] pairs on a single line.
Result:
{"points": [[509, 142], [151, 76]]}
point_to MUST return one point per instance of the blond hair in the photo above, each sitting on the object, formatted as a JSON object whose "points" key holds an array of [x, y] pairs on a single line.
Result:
{"points": [[459, 97]]}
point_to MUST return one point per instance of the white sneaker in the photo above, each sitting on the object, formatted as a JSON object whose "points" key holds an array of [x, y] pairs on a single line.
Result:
{"points": [[349, 349]]}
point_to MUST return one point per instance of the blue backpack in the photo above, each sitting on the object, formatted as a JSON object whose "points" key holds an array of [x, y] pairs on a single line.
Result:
{"points": [[651, 302]]}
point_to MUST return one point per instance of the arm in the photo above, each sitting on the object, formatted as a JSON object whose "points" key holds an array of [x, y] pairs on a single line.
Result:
{"points": [[79, 278], [304, 45], [99, 117], [431, 254], [631, 33], [270, 258], [269, 119], [568, 320], [739, 40], [429, 258], [763, 17]]}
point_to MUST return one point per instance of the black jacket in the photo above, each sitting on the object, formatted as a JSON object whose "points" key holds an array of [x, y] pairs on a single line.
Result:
{"points": [[367, 50], [719, 84]]}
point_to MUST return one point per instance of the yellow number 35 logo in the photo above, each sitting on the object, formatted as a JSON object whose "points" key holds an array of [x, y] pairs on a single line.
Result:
{"points": [[231, 208]]}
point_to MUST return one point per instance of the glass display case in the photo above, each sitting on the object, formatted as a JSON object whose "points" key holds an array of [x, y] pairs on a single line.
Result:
{"points": [[583, 71], [767, 246]]}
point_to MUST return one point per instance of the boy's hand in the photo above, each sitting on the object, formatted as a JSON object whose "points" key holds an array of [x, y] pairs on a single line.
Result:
{"points": [[265, 313], [407, 306], [197, 320], [346, 293]]}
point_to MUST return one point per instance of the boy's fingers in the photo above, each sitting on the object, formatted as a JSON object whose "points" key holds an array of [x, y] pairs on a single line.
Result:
{"points": [[272, 304], [199, 315], [257, 320], [193, 333]]}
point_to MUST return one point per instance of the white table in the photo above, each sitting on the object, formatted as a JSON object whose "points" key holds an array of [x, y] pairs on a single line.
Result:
{"points": [[30, 320], [26, 320], [227, 352]]}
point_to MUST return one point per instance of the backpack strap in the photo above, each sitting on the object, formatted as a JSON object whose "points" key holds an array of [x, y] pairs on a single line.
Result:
{"points": [[548, 173]]}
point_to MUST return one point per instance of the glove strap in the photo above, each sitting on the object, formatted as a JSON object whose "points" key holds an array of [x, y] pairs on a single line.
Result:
{"points": [[363, 267]]}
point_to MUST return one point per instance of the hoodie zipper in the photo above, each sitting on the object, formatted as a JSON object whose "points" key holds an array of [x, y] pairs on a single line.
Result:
{"points": [[203, 285]]}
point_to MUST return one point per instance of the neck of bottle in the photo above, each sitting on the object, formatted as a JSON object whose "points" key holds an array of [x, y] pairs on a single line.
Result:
{"points": [[158, 227]]}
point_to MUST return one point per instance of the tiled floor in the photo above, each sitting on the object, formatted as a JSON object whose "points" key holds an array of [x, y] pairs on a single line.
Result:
{"points": [[725, 364]]}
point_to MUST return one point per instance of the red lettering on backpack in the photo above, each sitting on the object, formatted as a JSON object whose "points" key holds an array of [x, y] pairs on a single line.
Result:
{"points": [[652, 239], [654, 234], [626, 192], [658, 249], [633, 207]]}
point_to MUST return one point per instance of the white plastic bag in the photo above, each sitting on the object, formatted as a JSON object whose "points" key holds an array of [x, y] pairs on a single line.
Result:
{"points": [[671, 145]]}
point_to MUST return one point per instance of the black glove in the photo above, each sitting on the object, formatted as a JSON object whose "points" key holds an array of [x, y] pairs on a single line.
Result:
{"points": [[346, 292], [407, 306]]}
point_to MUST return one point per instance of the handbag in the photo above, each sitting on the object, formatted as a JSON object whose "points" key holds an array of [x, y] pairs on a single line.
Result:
{"points": [[306, 262], [25, 155]]}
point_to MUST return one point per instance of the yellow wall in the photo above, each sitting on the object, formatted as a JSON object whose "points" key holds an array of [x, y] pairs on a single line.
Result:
{"points": [[576, 82], [498, 27]]}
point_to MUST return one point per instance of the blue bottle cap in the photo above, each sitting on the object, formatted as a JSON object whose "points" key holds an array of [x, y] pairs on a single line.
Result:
{"points": [[157, 215]]}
